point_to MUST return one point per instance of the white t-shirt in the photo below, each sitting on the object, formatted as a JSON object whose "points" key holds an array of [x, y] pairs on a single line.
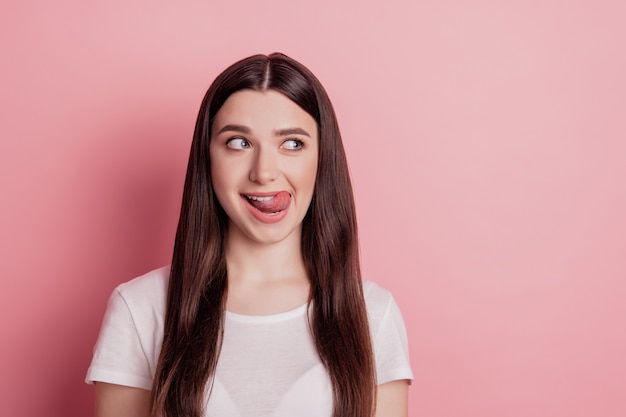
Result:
{"points": [[268, 365]]}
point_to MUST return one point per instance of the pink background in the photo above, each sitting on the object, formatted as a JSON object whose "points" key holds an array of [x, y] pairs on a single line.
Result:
{"points": [[487, 145]]}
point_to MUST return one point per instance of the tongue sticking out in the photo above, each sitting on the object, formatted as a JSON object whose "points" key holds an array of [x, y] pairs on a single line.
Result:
{"points": [[279, 203]]}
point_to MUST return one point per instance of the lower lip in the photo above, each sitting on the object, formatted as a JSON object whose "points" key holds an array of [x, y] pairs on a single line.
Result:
{"points": [[267, 218]]}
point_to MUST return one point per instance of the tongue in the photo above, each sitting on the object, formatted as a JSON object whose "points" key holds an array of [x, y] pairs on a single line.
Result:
{"points": [[279, 203]]}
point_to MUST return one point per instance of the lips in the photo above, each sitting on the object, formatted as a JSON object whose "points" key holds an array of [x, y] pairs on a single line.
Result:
{"points": [[269, 204]]}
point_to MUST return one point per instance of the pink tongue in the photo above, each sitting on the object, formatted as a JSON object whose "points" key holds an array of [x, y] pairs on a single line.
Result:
{"points": [[279, 203]]}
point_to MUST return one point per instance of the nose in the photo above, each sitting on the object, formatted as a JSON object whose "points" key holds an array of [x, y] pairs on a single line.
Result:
{"points": [[264, 168]]}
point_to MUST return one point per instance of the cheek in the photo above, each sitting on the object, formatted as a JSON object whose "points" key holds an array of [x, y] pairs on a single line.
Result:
{"points": [[221, 180], [313, 173], [312, 166], [216, 177], [308, 174]]}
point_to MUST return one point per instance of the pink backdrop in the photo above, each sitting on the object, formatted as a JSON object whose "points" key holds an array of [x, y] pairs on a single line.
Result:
{"points": [[486, 141]]}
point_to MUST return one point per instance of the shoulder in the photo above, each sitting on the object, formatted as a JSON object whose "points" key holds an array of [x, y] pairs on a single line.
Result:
{"points": [[374, 291], [388, 333], [377, 298], [153, 282], [131, 334], [380, 304], [146, 292]]}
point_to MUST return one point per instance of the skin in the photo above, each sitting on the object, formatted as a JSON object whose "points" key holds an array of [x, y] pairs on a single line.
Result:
{"points": [[120, 401], [261, 142], [392, 399]]}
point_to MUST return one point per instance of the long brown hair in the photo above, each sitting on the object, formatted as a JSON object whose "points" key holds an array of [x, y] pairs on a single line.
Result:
{"points": [[194, 320]]}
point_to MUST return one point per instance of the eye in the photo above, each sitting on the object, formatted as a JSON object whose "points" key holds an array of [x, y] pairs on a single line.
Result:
{"points": [[238, 143], [293, 144]]}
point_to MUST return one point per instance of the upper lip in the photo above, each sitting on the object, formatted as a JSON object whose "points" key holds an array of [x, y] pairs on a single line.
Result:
{"points": [[262, 194]]}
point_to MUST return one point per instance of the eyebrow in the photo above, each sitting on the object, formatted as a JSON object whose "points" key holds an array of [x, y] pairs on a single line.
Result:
{"points": [[280, 132], [235, 128], [291, 131]]}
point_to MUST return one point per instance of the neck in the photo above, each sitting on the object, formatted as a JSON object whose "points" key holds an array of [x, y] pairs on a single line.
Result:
{"points": [[251, 261], [265, 278]]}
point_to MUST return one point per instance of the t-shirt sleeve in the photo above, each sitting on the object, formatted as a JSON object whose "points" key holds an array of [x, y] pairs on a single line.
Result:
{"points": [[391, 347], [119, 357]]}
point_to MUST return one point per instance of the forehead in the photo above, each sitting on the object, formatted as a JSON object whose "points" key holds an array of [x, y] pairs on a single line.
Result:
{"points": [[263, 111]]}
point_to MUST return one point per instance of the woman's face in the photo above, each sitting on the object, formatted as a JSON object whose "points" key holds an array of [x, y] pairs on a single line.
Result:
{"points": [[264, 152]]}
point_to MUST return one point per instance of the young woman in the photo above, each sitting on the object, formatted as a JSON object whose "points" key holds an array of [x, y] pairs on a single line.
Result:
{"points": [[263, 311]]}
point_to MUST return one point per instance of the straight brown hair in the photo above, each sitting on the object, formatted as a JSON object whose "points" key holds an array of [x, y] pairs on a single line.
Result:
{"points": [[194, 320]]}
